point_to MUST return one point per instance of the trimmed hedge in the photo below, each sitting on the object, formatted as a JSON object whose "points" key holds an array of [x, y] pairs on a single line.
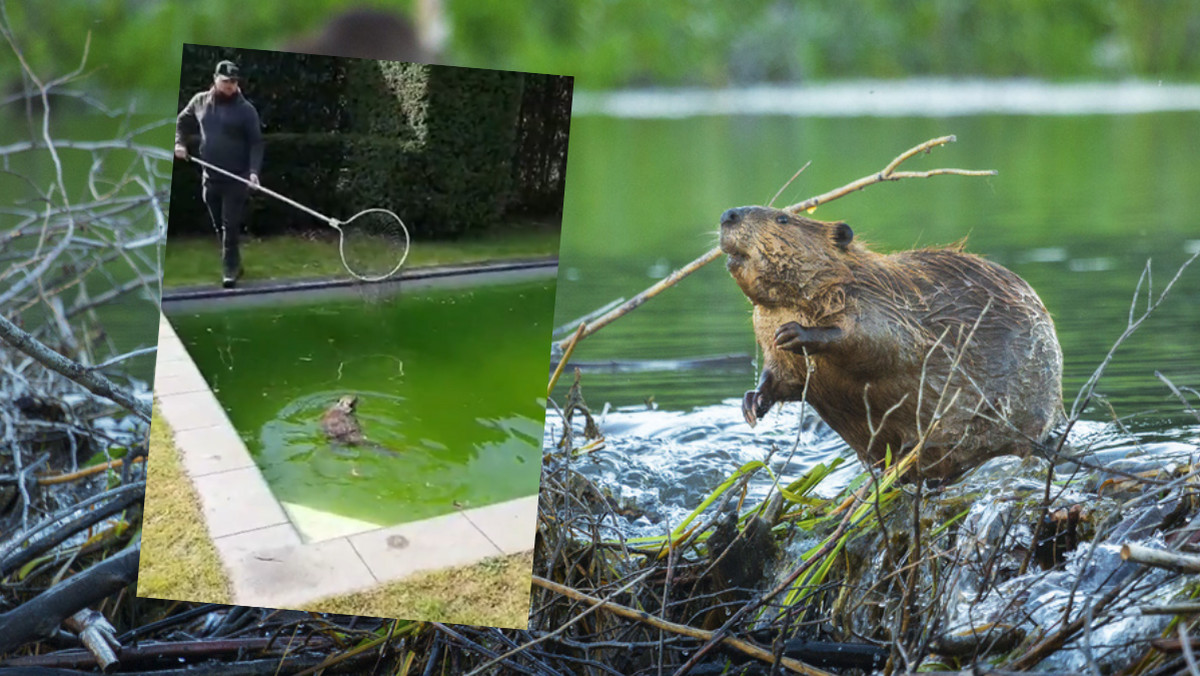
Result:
{"points": [[540, 164], [339, 175], [451, 150], [466, 120], [292, 92]]}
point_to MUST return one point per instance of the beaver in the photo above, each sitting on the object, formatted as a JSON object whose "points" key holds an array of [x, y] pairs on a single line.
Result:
{"points": [[933, 343], [340, 425]]}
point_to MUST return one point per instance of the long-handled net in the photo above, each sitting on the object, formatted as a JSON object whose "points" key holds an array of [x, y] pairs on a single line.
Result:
{"points": [[373, 243]]}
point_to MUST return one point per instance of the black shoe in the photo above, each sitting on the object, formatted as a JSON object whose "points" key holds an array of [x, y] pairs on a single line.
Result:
{"points": [[228, 281]]}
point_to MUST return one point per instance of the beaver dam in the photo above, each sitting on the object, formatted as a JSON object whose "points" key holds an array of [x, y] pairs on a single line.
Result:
{"points": [[445, 391], [687, 542]]}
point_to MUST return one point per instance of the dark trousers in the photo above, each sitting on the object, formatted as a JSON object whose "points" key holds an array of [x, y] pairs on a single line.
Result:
{"points": [[226, 204]]}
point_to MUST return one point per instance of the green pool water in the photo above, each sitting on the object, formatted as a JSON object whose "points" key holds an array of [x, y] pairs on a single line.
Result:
{"points": [[452, 381]]}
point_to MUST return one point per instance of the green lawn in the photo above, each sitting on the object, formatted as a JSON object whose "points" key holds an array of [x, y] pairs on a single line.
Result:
{"points": [[196, 261], [179, 561], [491, 593]]}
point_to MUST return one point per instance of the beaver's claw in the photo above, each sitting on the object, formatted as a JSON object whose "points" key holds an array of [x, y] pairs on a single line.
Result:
{"points": [[790, 336], [754, 406], [748, 412], [795, 338]]}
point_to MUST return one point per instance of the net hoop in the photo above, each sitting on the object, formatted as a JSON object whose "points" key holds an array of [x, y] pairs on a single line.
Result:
{"points": [[332, 222], [337, 225]]}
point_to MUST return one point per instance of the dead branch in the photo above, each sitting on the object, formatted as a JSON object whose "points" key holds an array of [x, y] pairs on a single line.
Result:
{"points": [[66, 523], [657, 288], [480, 649], [562, 629], [1186, 563], [1085, 393], [97, 635], [1185, 644], [574, 340], [149, 652], [1171, 609], [682, 629], [888, 173], [71, 369], [48, 480], [43, 614]]}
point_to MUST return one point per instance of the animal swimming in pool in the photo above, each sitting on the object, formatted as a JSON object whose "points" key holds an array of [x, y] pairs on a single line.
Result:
{"points": [[340, 425]]}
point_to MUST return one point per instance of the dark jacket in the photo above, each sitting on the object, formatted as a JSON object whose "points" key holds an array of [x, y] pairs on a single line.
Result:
{"points": [[230, 134]]}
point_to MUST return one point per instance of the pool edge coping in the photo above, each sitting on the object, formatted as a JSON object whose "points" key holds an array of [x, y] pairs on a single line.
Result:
{"points": [[413, 274], [267, 561]]}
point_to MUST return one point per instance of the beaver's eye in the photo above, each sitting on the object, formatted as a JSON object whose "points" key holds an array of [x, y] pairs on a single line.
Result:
{"points": [[781, 219]]}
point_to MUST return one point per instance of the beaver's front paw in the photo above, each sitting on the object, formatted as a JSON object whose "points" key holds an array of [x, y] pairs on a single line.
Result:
{"points": [[795, 338], [749, 401], [790, 336], [755, 405]]}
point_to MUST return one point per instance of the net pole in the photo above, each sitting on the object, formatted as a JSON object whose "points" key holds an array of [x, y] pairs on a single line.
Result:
{"points": [[330, 221]]}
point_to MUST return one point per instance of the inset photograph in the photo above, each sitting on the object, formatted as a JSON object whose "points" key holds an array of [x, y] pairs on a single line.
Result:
{"points": [[359, 286]]}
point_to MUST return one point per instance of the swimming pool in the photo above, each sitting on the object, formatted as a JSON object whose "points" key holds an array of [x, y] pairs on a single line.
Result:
{"points": [[450, 385]]}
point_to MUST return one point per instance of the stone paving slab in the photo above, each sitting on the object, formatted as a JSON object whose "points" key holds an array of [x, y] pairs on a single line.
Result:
{"points": [[170, 348], [234, 548], [210, 450], [293, 576], [237, 501], [192, 410], [441, 542], [166, 384], [177, 376], [511, 525]]}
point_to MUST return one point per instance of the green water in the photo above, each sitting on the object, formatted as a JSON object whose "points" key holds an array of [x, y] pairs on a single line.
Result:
{"points": [[1079, 205], [452, 381]]}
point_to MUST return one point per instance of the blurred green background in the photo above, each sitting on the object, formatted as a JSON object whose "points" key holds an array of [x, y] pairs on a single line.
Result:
{"points": [[620, 43]]}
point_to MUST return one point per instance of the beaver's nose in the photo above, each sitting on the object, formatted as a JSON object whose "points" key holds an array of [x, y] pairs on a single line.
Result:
{"points": [[732, 217]]}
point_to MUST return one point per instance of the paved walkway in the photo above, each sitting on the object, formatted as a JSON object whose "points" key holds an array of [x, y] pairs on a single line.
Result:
{"points": [[267, 559]]}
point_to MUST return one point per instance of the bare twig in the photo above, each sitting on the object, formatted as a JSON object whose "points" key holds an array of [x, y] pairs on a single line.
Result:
{"points": [[635, 302], [888, 173], [1171, 609], [122, 357], [682, 629], [789, 182], [638, 579], [1089, 387], [1042, 650], [1187, 563], [97, 635], [73, 370], [84, 473], [574, 340], [42, 615], [66, 523], [1186, 645]]}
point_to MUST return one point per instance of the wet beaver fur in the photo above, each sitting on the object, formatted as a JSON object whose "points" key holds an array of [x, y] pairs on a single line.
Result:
{"points": [[931, 341], [340, 423]]}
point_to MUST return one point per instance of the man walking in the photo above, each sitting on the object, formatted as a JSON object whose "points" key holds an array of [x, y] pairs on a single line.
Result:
{"points": [[230, 138]]}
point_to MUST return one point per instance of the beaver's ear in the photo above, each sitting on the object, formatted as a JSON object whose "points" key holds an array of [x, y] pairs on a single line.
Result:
{"points": [[842, 235]]}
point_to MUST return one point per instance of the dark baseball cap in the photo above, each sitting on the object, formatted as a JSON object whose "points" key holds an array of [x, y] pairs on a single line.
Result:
{"points": [[227, 70]]}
